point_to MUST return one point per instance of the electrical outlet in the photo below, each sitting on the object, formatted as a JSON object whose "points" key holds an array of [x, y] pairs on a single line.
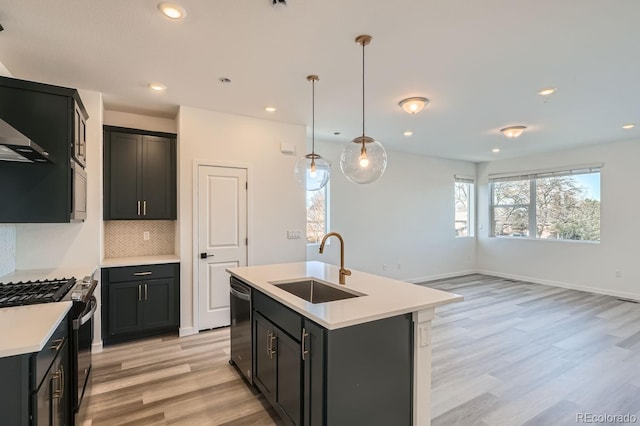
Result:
{"points": [[384, 266], [293, 235], [146, 236], [618, 274]]}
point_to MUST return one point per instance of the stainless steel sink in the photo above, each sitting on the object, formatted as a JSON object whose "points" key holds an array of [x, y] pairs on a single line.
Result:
{"points": [[315, 291]]}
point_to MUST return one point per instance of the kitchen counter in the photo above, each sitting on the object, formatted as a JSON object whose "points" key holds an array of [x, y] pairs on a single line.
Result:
{"points": [[26, 329], [111, 262], [384, 297], [47, 274], [384, 300]]}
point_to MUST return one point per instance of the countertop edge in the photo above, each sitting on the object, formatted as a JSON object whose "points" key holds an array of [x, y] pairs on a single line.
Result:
{"points": [[114, 262], [37, 347], [347, 323]]}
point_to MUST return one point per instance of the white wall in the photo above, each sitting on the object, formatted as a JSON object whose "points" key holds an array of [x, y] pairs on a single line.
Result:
{"points": [[276, 204], [404, 218], [7, 249], [586, 266], [70, 245], [138, 121]]}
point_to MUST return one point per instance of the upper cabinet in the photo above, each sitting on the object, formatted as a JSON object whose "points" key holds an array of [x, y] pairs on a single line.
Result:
{"points": [[139, 174], [52, 118]]}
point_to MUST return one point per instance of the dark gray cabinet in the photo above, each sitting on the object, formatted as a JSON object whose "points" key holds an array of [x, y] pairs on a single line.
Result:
{"points": [[139, 174], [314, 376], [36, 388], [140, 301], [54, 118]]}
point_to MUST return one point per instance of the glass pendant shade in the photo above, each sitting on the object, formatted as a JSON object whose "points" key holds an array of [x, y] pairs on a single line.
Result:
{"points": [[312, 172], [363, 162]]}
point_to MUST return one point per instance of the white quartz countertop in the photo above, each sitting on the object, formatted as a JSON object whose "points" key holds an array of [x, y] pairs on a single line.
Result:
{"points": [[26, 329], [48, 274], [384, 297], [110, 262]]}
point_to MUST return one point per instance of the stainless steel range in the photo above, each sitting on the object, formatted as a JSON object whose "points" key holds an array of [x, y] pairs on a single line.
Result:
{"points": [[80, 318]]}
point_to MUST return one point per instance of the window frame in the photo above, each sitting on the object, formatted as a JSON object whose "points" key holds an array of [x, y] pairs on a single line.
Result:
{"points": [[326, 190], [532, 177], [471, 205]]}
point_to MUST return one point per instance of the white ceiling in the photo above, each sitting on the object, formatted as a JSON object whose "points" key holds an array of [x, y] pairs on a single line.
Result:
{"points": [[479, 62]]}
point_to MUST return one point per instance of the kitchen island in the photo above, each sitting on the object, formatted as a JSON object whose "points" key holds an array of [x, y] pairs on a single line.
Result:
{"points": [[364, 358]]}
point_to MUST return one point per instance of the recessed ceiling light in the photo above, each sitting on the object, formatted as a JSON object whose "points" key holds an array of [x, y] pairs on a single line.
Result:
{"points": [[270, 109], [628, 126], [408, 133], [495, 150], [157, 87], [547, 91], [172, 11]]}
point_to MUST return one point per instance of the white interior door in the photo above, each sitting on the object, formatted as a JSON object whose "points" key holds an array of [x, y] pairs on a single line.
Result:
{"points": [[222, 239]]}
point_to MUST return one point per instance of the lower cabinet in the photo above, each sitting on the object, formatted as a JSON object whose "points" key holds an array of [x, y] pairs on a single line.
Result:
{"points": [[36, 388], [361, 374], [139, 301]]}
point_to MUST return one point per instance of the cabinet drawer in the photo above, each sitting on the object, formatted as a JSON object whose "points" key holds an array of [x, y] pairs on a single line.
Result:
{"points": [[43, 359], [280, 315], [142, 272]]}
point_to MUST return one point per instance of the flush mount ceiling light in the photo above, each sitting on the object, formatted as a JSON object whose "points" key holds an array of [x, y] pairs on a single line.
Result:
{"points": [[312, 171], [172, 11], [364, 159], [513, 132], [157, 87], [628, 126], [413, 105], [270, 109], [547, 91]]}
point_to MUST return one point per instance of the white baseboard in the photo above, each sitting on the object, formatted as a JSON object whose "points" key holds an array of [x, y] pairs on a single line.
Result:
{"points": [[604, 291], [96, 347], [186, 331], [441, 276]]}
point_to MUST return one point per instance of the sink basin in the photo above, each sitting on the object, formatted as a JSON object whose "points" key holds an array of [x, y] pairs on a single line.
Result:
{"points": [[315, 291]]}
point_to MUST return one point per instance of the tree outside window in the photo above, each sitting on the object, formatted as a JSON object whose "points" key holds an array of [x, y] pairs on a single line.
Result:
{"points": [[552, 205], [316, 215], [464, 206]]}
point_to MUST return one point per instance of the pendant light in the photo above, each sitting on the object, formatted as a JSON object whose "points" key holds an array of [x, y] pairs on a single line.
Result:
{"points": [[364, 159], [312, 171]]}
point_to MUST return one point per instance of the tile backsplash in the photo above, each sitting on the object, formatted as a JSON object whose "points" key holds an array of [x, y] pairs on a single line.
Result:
{"points": [[125, 238], [7, 249]]}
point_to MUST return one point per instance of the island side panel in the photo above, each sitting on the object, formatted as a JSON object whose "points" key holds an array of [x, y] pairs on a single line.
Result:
{"points": [[422, 367], [369, 373]]}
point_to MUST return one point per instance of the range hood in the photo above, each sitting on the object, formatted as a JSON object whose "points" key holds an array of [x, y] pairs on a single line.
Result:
{"points": [[14, 146]]}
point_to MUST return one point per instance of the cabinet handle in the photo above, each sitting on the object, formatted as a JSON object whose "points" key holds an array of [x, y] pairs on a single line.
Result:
{"points": [[141, 274], [139, 293], [138, 207], [302, 346], [144, 208], [57, 344], [271, 337], [61, 381], [145, 292]]}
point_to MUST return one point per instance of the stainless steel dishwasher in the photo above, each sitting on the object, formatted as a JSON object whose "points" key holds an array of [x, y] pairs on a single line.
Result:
{"points": [[241, 347]]}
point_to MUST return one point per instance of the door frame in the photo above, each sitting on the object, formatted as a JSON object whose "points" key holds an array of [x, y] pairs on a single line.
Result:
{"points": [[195, 229]]}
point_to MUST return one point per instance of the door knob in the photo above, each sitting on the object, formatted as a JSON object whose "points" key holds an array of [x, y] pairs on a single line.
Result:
{"points": [[205, 255]]}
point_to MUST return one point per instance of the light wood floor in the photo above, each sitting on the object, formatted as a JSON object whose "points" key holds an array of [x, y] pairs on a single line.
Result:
{"points": [[512, 353]]}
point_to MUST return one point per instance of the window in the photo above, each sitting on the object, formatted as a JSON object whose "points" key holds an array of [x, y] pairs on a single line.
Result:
{"points": [[464, 206], [317, 203], [559, 204]]}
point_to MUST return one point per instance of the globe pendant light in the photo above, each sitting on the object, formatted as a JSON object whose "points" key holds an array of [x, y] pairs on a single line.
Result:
{"points": [[312, 171], [364, 160]]}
